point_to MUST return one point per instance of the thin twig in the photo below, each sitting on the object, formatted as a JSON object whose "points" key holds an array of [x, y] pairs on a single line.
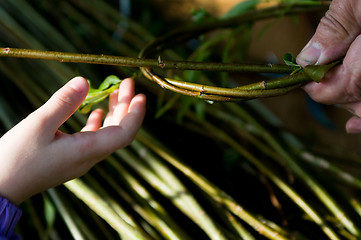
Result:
{"points": [[142, 62]]}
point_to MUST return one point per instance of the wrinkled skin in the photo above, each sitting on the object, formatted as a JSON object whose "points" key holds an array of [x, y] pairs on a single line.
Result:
{"points": [[338, 36]]}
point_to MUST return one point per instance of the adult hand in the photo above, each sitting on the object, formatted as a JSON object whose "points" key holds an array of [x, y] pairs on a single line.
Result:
{"points": [[35, 155], [338, 36]]}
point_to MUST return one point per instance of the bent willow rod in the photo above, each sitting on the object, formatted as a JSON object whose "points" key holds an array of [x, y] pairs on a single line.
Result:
{"points": [[268, 88]]}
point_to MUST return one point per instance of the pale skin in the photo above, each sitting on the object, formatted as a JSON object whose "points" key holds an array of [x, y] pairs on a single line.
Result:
{"points": [[36, 156], [338, 36]]}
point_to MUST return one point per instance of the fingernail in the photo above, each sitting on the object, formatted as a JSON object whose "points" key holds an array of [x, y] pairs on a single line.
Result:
{"points": [[353, 130], [353, 125], [309, 54], [78, 84]]}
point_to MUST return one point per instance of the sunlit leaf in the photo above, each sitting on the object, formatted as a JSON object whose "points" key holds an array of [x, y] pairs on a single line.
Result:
{"points": [[290, 60], [318, 72], [96, 95], [109, 82]]}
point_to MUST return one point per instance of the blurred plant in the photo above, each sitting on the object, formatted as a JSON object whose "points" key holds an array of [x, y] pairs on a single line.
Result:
{"points": [[215, 171]]}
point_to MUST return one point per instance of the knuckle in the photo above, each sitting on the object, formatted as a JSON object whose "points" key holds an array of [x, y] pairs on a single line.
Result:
{"points": [[128, 140], [354, 91], [352, 84], [340, 21], [66, 98], [332, 24], [127, 137], [63, 101]]}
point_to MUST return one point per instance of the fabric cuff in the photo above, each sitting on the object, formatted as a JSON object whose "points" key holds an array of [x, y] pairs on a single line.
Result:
{"points": [[9, 217]]}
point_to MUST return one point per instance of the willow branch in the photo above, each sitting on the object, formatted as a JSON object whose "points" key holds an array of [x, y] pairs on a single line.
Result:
{"points": [[142, 62], [261, 89]]}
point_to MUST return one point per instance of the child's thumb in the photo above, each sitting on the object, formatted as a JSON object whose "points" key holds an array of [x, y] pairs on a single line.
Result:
{"points": [[334, 35], [64, 102]]}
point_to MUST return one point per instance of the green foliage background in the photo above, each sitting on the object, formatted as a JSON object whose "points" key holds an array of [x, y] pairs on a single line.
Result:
{"points": [[196, 170]]}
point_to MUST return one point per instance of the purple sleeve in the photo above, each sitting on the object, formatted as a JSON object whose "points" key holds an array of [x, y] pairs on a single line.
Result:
{"points": [[9, 217]]}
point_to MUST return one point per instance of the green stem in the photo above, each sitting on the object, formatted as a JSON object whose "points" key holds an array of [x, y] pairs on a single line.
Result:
{"points": [[222, 94], [137, 62], [262, 89], [68, 216], [143, 203], [102, 208]]}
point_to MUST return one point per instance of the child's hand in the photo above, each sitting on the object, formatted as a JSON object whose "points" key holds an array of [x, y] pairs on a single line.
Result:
{"points": [[35, 155]]}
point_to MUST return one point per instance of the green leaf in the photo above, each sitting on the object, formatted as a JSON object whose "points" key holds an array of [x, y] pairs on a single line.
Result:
{"points": [[108, 82], [96, 95], [290, 60], [318, 72], [241, 8]]}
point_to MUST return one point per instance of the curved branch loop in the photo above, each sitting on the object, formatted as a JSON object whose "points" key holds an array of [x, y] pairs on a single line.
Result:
{"points": [[269, 88]]}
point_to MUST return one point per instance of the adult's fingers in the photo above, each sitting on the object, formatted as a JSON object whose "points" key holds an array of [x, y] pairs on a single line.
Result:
{"points": [[353, 125], [337, 36], [335, 33], [343, 83]]}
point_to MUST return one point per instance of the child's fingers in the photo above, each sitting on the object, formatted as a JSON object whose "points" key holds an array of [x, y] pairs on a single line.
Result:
{"points": [[62, 105], [113, 100], [111, 139], [85, 149], [125, 96], [95, 121], [99, 144]]}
